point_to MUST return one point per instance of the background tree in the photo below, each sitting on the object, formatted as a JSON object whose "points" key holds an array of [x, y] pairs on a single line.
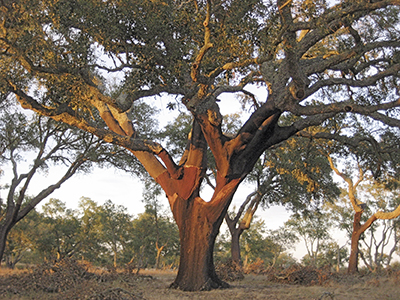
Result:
{"points": [[359, 208], [285, 240], [380, 196], [46, 143], [115, 226], [257, 246], [313, 228], [88, 214], [329, 254], [59, 238], [21, 240], [154, 238], [294, 174], [317, 60], [154, 229]]}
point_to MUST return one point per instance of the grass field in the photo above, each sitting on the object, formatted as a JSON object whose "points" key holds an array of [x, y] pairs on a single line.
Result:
{"points": [[70, 281]]}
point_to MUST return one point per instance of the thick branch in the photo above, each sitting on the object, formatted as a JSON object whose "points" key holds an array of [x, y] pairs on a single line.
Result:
{"points": [[235, 65], [393, 70], [312, 120], [368, 223], [351, 187], [348, 106], [243, 206], [50, 189], [354, 142], [195, 72], [385, 119], [67, 116], [251, 210], [299, 81], [388, 215]]}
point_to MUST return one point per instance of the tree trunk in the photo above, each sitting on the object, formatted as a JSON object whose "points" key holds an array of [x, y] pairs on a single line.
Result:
{"points": [[198, 230], [3, 238], [4, 230], [235, 246], [338, 259], [358, 229], [355, 237], [198, 221], [115, 252], [235, 232], [158, 257]]}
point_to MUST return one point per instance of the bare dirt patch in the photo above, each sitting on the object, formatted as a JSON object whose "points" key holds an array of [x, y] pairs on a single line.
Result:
{"points": [[71, 280]]}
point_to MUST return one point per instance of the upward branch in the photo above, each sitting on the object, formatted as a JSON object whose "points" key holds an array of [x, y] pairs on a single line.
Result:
{"points": [[195, 72]]}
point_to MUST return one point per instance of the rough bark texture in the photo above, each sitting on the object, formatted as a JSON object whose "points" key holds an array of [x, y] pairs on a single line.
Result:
{"points": [[197, 236]]}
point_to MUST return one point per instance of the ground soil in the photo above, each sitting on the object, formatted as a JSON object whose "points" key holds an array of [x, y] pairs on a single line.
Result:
{"points": [[68, 281]]}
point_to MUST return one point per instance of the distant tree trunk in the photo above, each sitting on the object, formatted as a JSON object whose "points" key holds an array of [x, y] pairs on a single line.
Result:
{"points": [[3, 237], [237, 227], [358, 229], [10, 264], [235, 232], [235, 246], [158, 257], [338, 259], [115, 259], [5, 228], [355, 237]]}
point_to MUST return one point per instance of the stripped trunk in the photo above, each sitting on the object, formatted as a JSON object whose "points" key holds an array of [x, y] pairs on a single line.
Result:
{"points": [[197, 236], [355, 238], [158, 257], [358, 229]]}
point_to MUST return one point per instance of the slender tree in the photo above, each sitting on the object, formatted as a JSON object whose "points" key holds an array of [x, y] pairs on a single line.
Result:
{"points": [[158, 230], [115, 227], [294, 174], [88, 214], [317, 59], [61, 235], [21, 240], [284, 240], [313, 228], [358, 209], [48, 144]]}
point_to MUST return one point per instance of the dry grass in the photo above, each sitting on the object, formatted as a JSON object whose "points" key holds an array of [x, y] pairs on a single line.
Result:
{"points": [[259, 287], [71, 282]]}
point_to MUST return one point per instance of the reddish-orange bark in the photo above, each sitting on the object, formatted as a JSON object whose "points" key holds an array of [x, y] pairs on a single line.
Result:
{"points": [[184, 186]]}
